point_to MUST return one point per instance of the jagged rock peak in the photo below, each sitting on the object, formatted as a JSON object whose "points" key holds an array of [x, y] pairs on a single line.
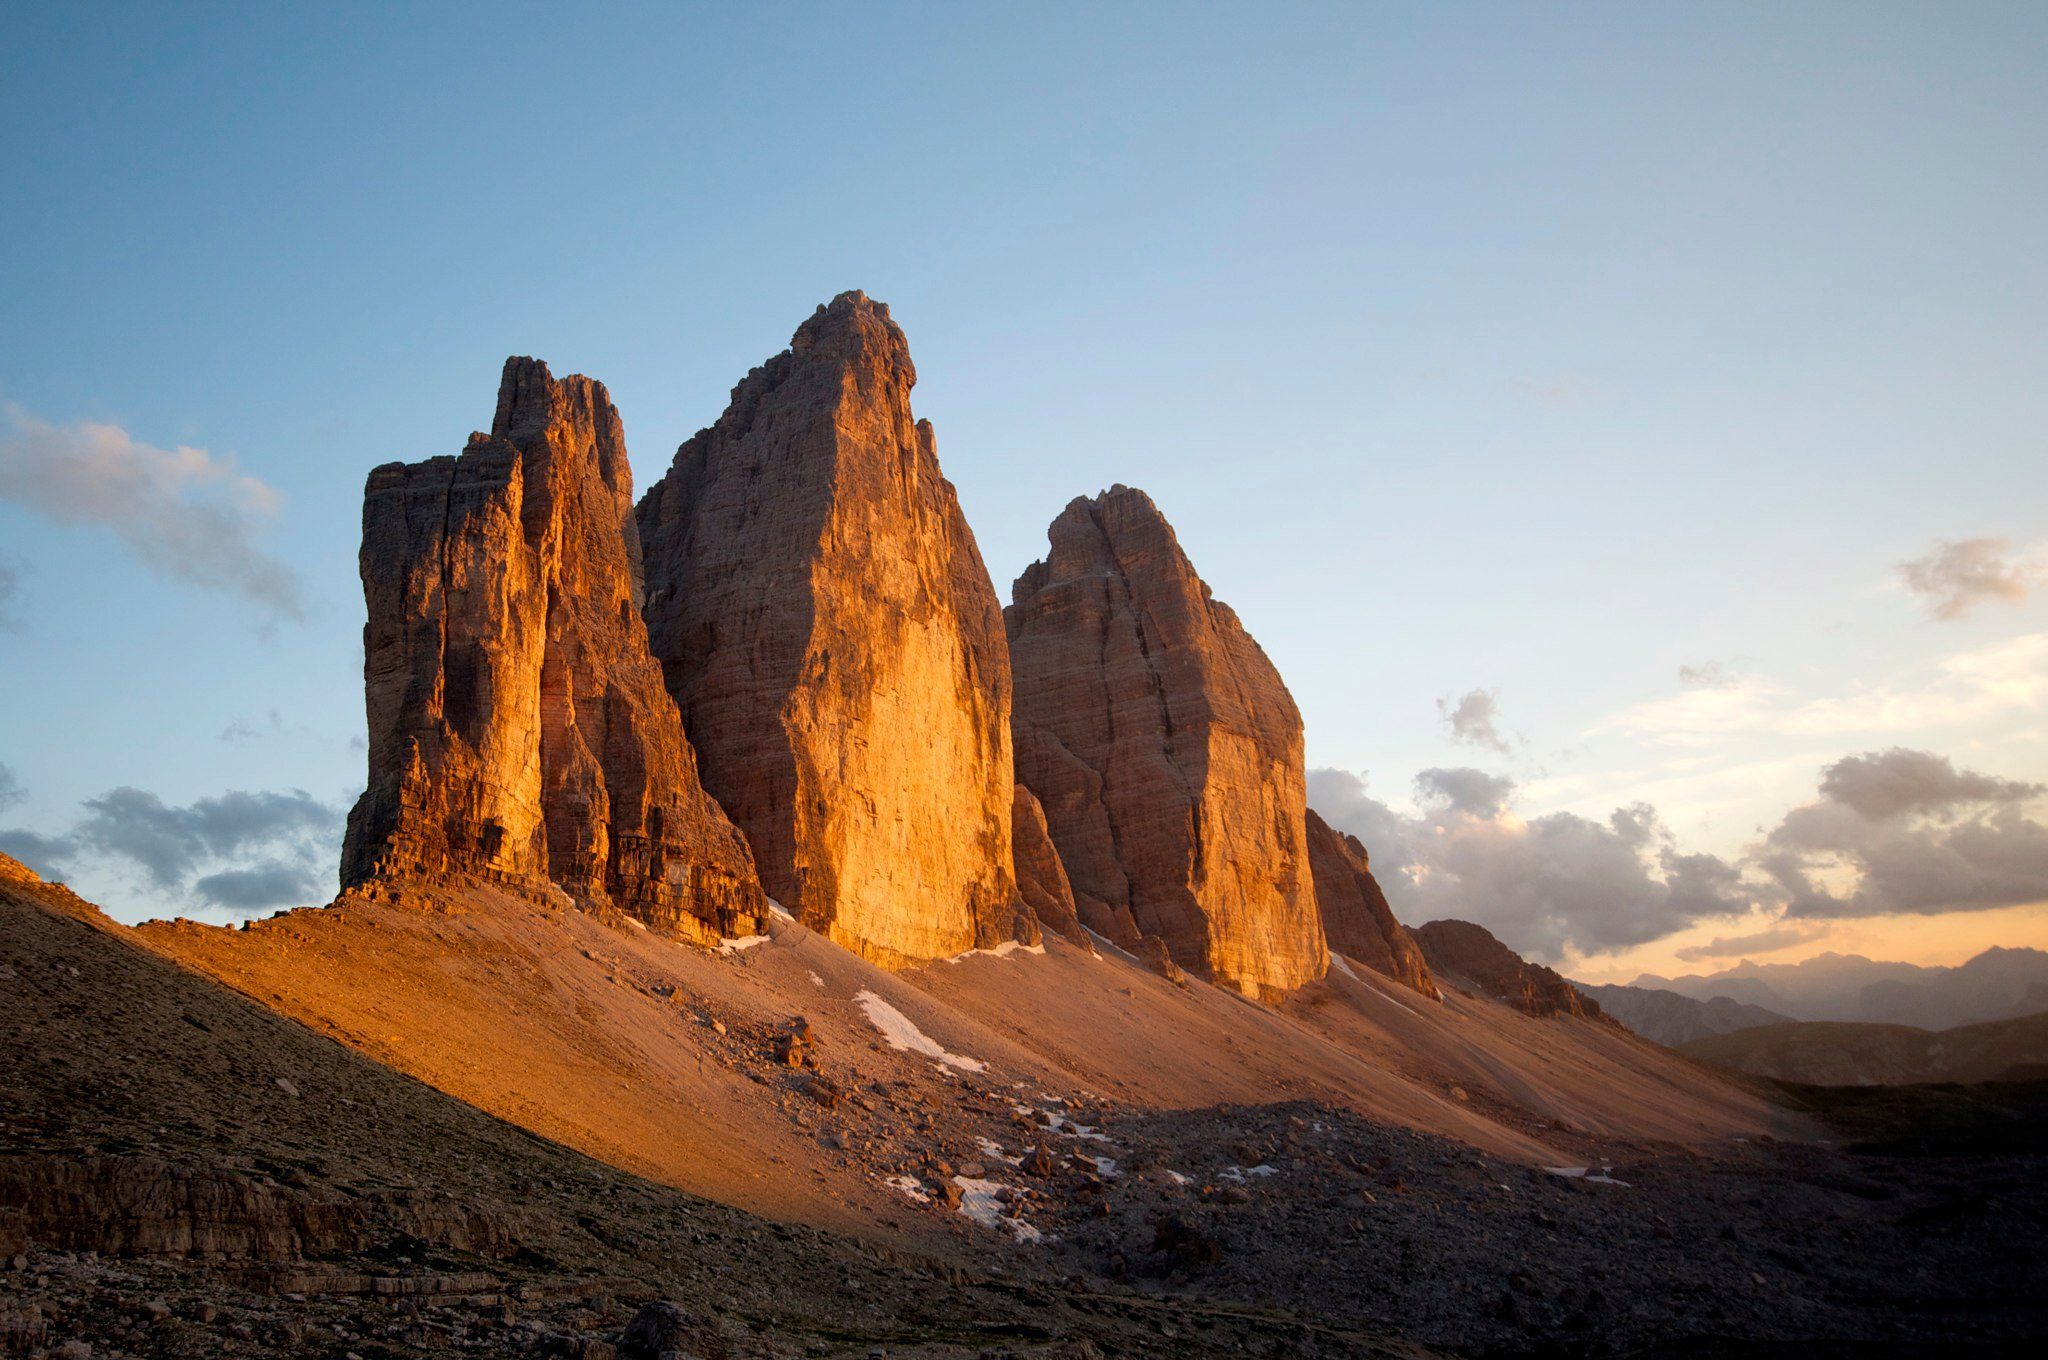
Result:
{"points": [[1356, 918], [519, 730], [1165, 750], [827, 628], [1460, 951]]}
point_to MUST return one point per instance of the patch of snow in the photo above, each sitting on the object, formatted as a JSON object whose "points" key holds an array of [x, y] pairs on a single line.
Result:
{"points": [[1001, 951], [1105, 1166], [1579, 1173], [730, 947], [1343, 965], [991, 1148], [1113, 948], [1391, 1002], [910, 1186], [1178, 1179], [902, 1034], [1238, 1173], [637, 924], [775, 908], [978, 1201], [1062, 1124], [817, 981]]}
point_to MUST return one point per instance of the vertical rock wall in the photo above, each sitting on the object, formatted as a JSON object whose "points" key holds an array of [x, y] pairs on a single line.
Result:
{"points": [[519, 729], [1165, 750], [827, 628]]}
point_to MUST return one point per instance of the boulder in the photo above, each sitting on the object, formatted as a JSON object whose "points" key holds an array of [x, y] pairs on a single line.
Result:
{"points": [[1357, 921], [827, 628], [519, 728], [1165, 750]]}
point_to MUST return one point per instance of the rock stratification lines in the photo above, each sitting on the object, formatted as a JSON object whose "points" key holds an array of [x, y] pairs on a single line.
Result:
{"points": [[519, 730], [1165, 750], [833, 641]]}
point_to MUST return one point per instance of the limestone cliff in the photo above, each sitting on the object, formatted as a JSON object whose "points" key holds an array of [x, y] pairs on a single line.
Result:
{"points": [[1356, 918], [519, 729], [828, 630], [1165, 750]]}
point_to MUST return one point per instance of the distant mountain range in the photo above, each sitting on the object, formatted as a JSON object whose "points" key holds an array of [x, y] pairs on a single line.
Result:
{"points": [[1997, 984], [1672, 1019], [1849, 1053]]}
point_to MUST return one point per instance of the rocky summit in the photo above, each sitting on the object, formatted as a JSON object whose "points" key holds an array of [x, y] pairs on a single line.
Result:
{"points": [[1356, 918], [519, 730], [833, 641], [1471, 954], [1165, 750]]}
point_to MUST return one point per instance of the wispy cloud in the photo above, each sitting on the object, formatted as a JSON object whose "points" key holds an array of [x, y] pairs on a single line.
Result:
{"points": [[2005, 677], [1769, 940], [12, 569], [1958, 576], [186, 514]]}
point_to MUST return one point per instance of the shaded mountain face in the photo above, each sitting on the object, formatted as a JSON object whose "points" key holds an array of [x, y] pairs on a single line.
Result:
{"points": [[519, 730], [1165, 750], [1356, 918], [1671, 1018], [1996, 984], [1460, 952], [1041, 878], [827, 629]]}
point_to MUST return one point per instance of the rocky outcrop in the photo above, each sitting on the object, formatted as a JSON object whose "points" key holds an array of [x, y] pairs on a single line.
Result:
{"points": [[519, 729], [826, 626], [1459, 951], [1165, 750], [142, 1205], [1357, 921], [1041, 878]]}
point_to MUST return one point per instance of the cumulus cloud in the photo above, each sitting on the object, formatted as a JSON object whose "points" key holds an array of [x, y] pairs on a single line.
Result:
{"points": [[1890, 831], [1885, 784], [11, 791], [1474, 719], [186, 514], [1783, 935], [1545, 885], [1957, 577], [1903, 831], [1474, 793], [230, 850]]}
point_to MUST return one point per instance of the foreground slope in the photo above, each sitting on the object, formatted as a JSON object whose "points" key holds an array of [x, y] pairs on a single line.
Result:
{"points": [[1250, 1224], [672, 1061], [271, 1192]]}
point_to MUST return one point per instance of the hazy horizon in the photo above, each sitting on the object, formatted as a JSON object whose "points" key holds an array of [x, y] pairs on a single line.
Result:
{"points": [[1623, 430]]}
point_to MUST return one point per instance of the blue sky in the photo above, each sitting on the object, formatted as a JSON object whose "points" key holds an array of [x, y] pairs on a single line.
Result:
{"points": [[1534, 351]]}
